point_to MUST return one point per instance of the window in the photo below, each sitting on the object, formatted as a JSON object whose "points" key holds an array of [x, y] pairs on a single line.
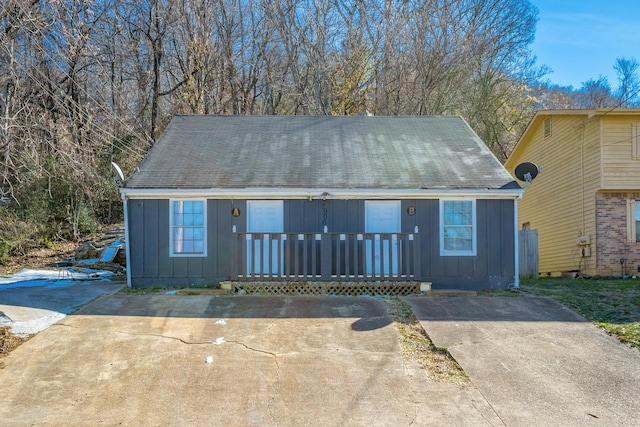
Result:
{"points": [[547, 127], [637, 221], [188, 228], [457, 227]]}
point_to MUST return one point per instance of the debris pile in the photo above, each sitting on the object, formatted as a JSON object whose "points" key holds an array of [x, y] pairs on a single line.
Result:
{"points": [[106, 253]]}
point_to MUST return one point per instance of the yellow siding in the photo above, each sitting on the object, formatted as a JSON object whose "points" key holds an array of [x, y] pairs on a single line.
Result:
{"points": [[620, 170], [560, 203]]}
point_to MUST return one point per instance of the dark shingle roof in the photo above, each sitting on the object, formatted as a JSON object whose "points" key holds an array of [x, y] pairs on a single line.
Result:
{"points": [[201, 152]]}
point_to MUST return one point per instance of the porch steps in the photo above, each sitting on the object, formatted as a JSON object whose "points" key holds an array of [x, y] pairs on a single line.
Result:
{"points": [[328, 288]]}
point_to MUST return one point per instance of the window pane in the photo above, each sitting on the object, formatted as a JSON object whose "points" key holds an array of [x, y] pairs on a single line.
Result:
{"points": [[198, 246], [198, 219], [177, 240], [188, 234], [188, 246], [198, 233], [458, 239], [187, 219], [188, 207], [458, 212]]}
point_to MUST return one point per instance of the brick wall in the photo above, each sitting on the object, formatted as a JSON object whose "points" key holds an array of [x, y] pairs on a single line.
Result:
{"points": [[611, 235]]}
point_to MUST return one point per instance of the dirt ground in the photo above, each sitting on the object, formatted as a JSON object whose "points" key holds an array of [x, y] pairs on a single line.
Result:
{"points": [[39, 258], [8, 341], [36, 258]]}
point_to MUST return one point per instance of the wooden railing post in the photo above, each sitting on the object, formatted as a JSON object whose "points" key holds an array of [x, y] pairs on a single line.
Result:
{"points": [[417, 260], [234, 256], [325, 257]]}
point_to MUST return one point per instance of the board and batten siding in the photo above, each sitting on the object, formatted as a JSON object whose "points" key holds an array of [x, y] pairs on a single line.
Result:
{"points": [[492, 268], [560, 203], [620, 168], [149, 236]]}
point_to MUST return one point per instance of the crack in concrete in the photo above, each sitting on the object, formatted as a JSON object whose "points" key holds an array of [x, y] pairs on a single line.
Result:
{"points": [[414, 400], [278, 380], [166, 337], [490, 406], [253, 349], [65, 325]]}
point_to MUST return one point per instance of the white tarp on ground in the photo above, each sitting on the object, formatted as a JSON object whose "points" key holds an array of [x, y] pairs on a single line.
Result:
{"points": [[51, 278]]}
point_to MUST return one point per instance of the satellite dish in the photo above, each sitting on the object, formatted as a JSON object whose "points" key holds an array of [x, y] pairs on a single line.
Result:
{"points": [[119, 174], [526, 172]]}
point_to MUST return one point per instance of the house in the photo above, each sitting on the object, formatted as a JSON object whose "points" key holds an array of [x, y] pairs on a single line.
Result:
{"points": [[585, 203], [316, 198]]}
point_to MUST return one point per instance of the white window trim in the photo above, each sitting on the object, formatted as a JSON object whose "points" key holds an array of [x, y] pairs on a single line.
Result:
{"points": [[632, 208], [204, 226], [474, 228]]}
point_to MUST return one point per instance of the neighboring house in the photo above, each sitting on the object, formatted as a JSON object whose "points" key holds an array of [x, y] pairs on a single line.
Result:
{"points": [[321, 198], [585, 203]]}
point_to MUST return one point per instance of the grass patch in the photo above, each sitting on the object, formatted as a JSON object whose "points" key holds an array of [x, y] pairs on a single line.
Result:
{"points": [[614, 305], [511, 292], [417, 346]]}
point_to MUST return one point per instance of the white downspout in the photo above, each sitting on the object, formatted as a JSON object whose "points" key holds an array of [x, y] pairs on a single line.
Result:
{"points": [[516, 244], [126, 239]]}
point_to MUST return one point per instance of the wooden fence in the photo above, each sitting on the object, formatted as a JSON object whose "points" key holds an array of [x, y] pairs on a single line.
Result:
{"points": [[528, 246]]}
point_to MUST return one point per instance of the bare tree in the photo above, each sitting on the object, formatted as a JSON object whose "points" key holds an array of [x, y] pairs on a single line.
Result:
{"points": [[85, 83], [629, 89]]}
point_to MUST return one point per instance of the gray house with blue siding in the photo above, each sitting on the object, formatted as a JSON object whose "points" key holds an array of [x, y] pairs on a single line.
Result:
{"points": [[317, 198]]}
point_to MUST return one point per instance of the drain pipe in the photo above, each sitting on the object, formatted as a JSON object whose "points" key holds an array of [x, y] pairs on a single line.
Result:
{"points": [[126, 238], [516, 244]]}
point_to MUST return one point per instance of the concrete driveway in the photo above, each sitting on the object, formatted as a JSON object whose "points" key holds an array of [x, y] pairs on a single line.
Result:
{"points": [[29, 309], [140, 360], [538, 363], [318, 361]]}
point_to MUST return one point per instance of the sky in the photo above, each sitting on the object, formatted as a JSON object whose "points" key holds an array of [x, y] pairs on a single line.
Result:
{"points": [[581, 39]]}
